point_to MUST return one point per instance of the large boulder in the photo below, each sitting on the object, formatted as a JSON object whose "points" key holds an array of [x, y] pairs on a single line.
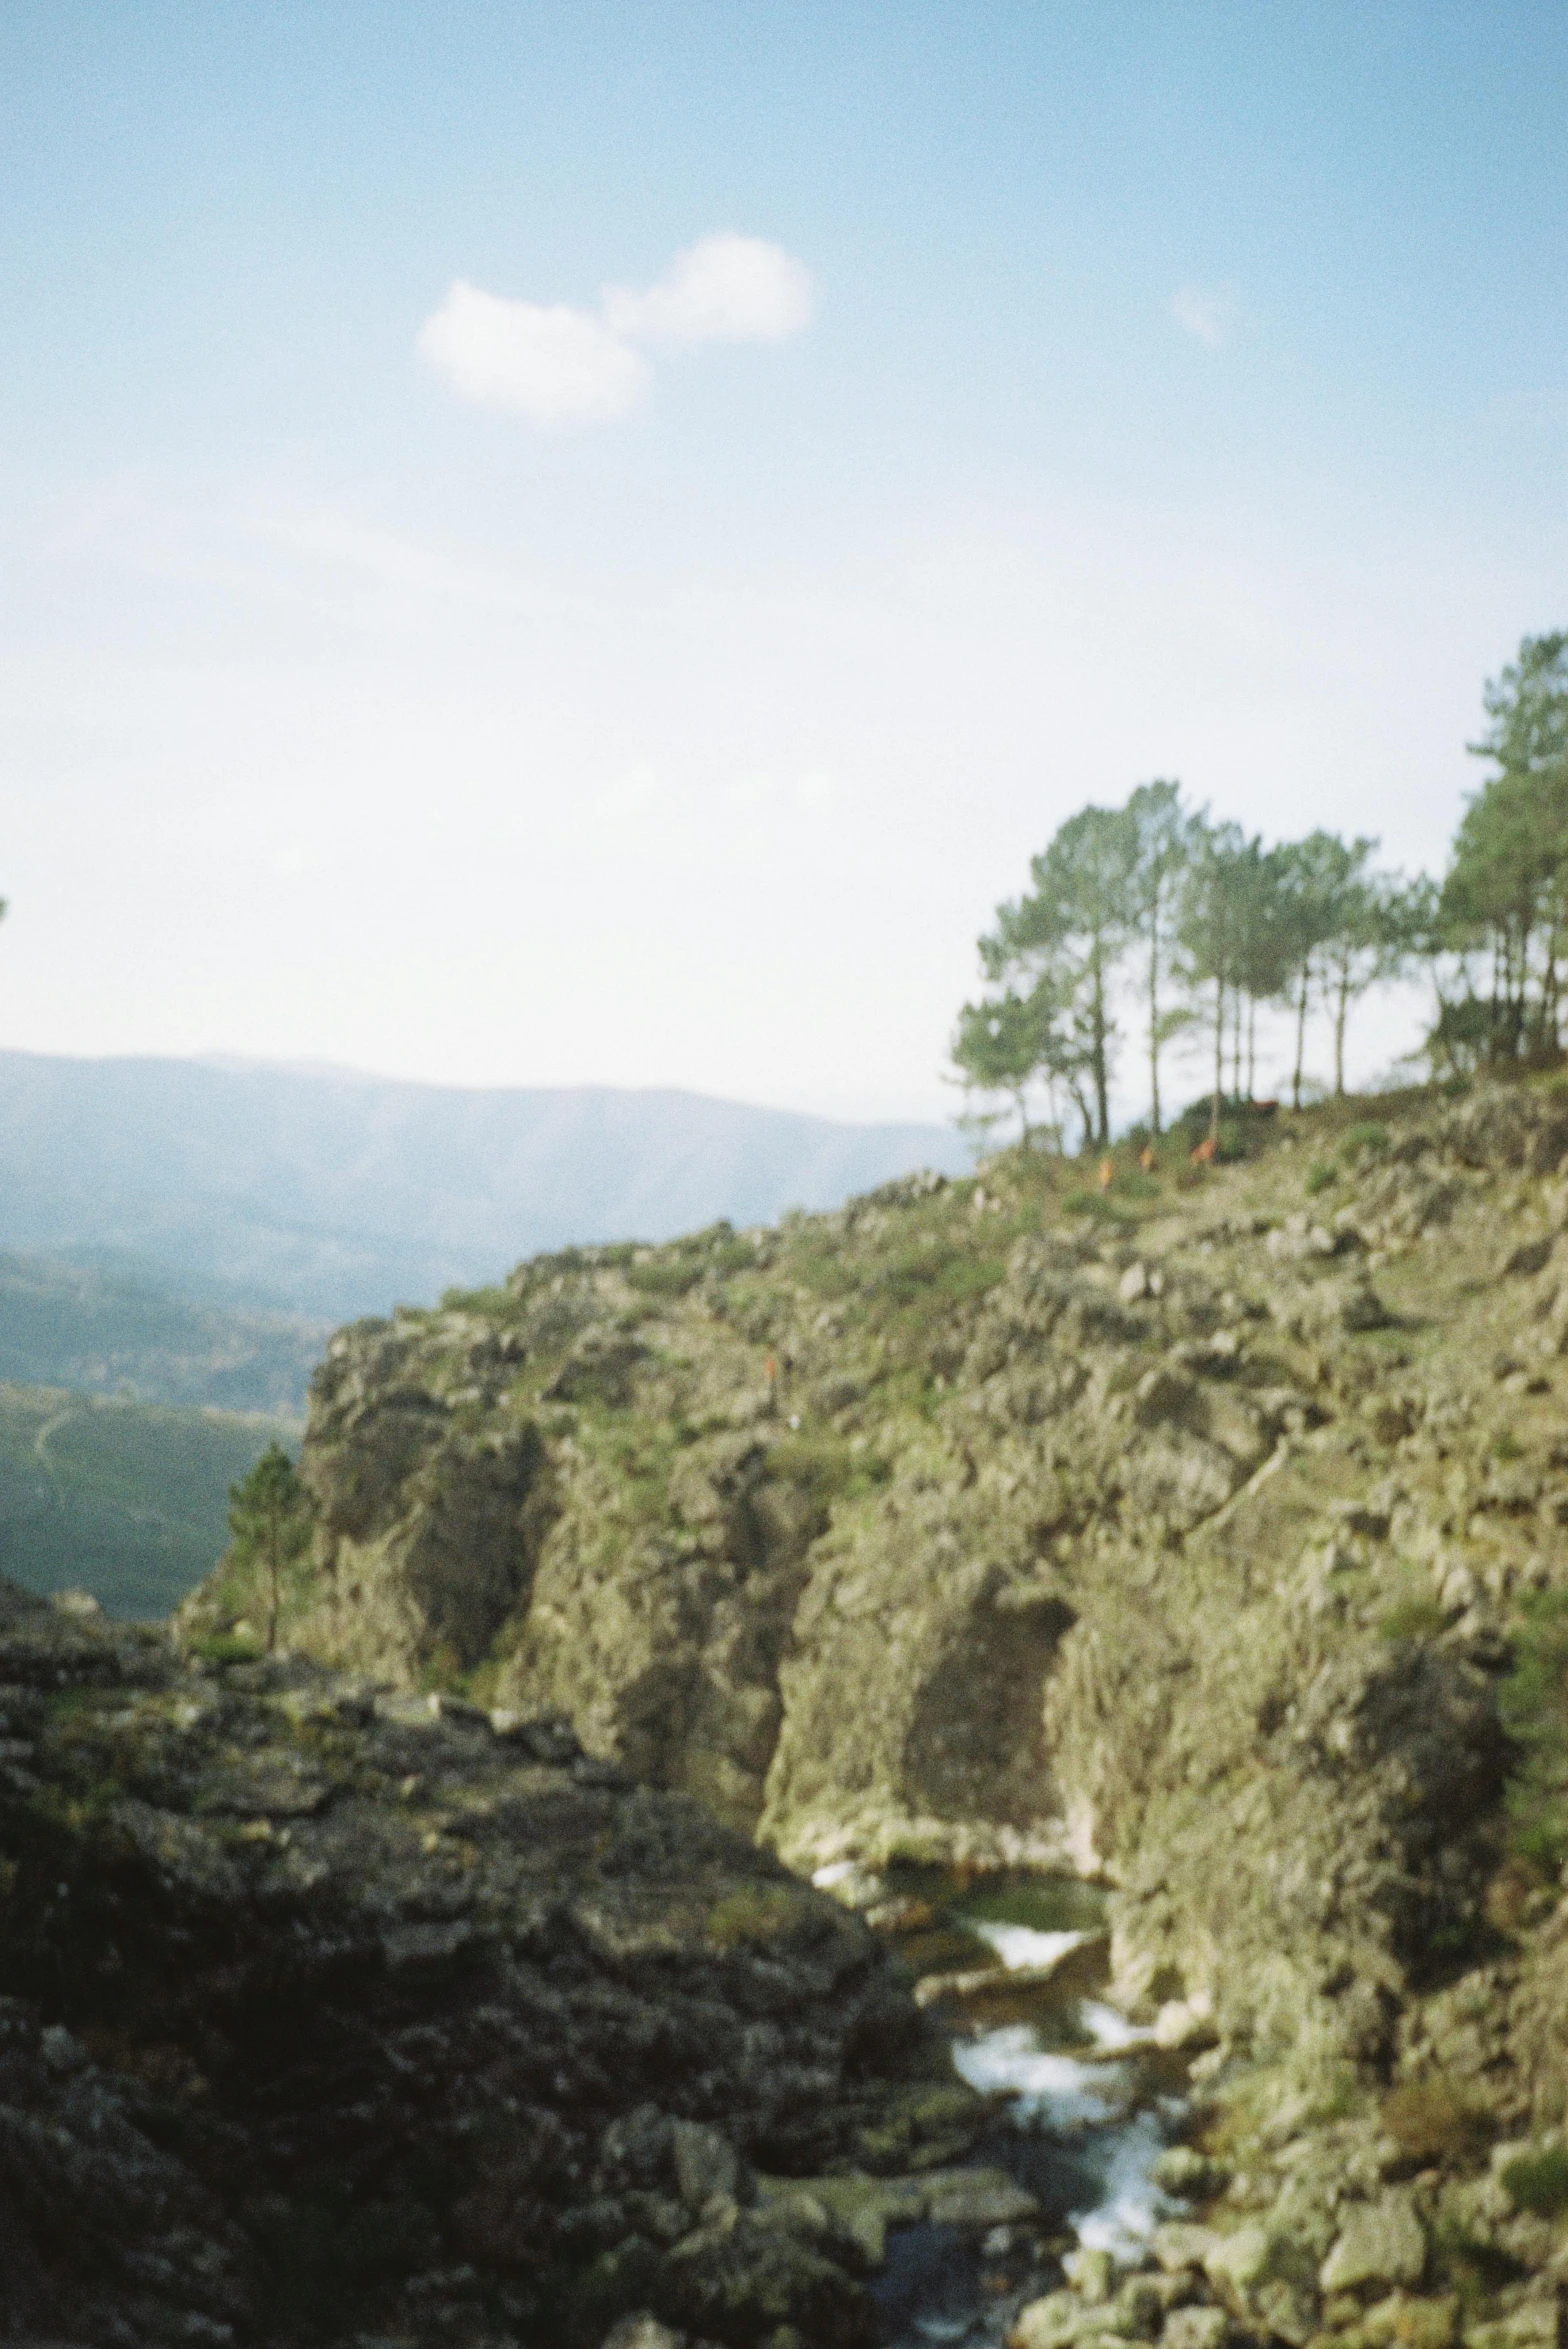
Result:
{"points": [[1381, 2244]]}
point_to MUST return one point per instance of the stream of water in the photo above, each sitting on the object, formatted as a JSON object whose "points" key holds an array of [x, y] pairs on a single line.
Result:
{"points": [[1092, 2102]]}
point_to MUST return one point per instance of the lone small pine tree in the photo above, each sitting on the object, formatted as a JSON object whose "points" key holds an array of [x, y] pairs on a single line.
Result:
{"points": [[270, 1525]]}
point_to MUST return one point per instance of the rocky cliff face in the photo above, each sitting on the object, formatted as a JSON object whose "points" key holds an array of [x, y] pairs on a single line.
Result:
{"points": [[1178, 1536], [331, 2016]]}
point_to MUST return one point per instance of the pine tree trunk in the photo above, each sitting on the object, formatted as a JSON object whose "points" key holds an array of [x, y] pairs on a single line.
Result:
{"points": [[1219, 1059], [1301, 1041], [274, 1577], [1102, 1101], [1154, 1024], [1341, 1014]]}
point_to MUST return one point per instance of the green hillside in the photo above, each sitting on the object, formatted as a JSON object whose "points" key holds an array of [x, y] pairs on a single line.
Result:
{"points": [[128, 1326], [126, 1500]]}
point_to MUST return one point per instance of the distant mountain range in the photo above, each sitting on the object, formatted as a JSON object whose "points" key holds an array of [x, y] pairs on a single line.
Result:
{"points": [[326, 1194]]}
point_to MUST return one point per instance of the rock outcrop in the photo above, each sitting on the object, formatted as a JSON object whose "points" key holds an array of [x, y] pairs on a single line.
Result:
{"points": [[331, 2015], [1178, 1536]]}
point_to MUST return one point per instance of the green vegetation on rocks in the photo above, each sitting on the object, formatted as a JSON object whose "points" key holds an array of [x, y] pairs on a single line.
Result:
{"points": [[1538, 2181], [1534, 1702]]}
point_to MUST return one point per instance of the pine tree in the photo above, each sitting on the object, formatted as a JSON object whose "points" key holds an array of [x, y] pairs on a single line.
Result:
{"points": [[1503, 910], [1211, 931], [1162, 837], [1074, 924], [270, 1527]]}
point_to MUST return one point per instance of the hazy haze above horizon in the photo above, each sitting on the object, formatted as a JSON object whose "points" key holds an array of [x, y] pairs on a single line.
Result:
{"points": [[587, 546]]}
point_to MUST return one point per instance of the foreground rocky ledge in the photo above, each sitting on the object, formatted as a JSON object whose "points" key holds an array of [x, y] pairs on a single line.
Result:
{"points": [[330, 2015]]}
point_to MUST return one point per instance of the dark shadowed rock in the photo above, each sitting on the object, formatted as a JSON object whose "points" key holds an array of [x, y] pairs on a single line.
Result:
{"points": [[326, 2015]]}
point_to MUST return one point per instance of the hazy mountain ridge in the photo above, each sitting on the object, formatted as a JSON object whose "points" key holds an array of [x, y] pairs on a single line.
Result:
{"points": [[330, 1194]]}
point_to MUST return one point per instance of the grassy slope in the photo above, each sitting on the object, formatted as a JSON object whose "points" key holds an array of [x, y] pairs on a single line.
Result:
{"points": [[128, 1327], [126, 1500]]}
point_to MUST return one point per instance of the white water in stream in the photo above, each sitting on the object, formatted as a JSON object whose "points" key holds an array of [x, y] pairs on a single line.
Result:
{"points": [[1087, 2127], [1087, 2102], [1021, 1945]]}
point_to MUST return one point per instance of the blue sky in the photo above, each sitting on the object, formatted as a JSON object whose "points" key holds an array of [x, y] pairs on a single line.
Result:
{"points": [[1177, 390]]}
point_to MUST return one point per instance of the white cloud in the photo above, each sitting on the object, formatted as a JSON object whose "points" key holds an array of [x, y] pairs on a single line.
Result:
{"points": [[557, 365], [552, 364], [1207, 311], [723, 289]]}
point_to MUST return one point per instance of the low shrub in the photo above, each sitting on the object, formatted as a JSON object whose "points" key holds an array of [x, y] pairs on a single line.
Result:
{"points": [[826, 1466], [755, 1913], [966, 1277], [442, 1671], [1413, 1617], [1318, 1178], [825, 1270], [495, 1302], [1368, 1136], [733, 1256], [226, 1647], [1533, 1705], [1538, 2182], [1098, 1203], [665, 1276], [1434, 2120], [914, 1288], [1517, 1896], [822, 1463]]}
